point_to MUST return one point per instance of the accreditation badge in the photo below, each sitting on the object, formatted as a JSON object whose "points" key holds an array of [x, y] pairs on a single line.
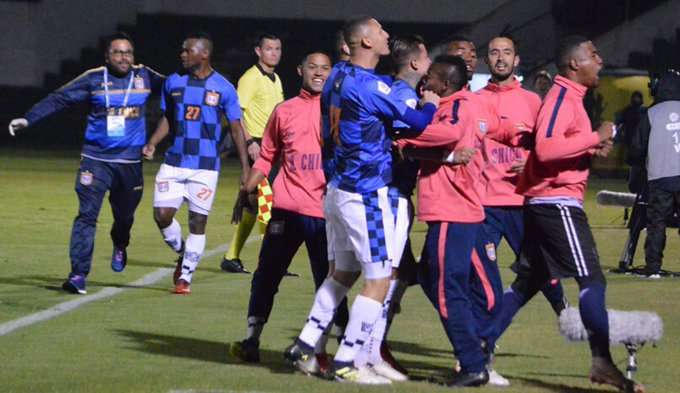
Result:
{"points": [[139, 82], [115, 126], [491, 252]]}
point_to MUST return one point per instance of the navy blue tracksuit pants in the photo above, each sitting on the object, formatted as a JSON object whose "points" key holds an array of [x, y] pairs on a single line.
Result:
{"points": [[486, 285], [445, 269], [124, 182], [286, 232]]}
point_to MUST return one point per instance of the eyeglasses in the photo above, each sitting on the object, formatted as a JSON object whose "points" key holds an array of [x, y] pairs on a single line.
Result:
{"points": [[115, 52]]}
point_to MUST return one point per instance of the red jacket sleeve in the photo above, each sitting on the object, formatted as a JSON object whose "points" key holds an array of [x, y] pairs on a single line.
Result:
{"points": [[555, 137]]}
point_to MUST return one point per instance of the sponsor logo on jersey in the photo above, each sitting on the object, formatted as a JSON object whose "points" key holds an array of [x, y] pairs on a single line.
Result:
{"points": [[483, 127], [212, 98], [383, 88]]}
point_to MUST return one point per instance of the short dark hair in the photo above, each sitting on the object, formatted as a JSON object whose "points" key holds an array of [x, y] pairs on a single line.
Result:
{"points": [[353, 25], [119, 35], [458, 38], [566, 48], [457, 73], [509, 37], [403, 49], [265, 36], [201, 35], [313, 52]]}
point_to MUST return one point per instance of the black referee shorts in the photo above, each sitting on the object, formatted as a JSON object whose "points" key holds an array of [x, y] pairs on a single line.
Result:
{"points": [[558, 243]]}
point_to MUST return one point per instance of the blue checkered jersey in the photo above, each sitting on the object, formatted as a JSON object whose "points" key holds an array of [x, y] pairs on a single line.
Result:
{"points": [[88, 88], [194, 108], [404, 171], [358, 106]]}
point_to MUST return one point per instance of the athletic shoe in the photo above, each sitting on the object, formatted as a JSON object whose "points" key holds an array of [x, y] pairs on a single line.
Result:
{"points": [[75, 284], [118, 259], [496, 379], [233, 266], [247, 350], [361, 375], [464, 379], [386, 355], [178, 269], [384, 369], [310, 366], [182, 287], [603, 371], [322, 359], [297, 352]]}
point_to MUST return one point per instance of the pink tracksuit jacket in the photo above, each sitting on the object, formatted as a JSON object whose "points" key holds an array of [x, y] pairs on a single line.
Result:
{"points": [[293, 135], [520, 107], [449, 193], [560, 162]]}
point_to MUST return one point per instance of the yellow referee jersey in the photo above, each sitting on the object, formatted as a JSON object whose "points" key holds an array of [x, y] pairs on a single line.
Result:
{"points": [[258, 93]]}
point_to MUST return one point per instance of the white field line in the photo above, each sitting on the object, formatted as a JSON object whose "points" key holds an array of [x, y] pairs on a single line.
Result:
{"points": [[62, 308]]}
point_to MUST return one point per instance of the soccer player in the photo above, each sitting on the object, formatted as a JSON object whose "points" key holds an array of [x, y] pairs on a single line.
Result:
{"points": [[503, 207], [116, 95], [292, 136], [449, 202], [259, 91], [360, 223], [412, 61], [558, 242], [193, 102]]}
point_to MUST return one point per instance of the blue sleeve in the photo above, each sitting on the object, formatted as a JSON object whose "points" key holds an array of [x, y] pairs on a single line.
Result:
{"points": [[165, 95], [230, 104], [156, 79], [378, 95], [76, 91], [419, 120]]}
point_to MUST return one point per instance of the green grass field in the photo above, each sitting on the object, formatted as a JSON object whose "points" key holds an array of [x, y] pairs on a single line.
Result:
{"points": [[147, 340]]}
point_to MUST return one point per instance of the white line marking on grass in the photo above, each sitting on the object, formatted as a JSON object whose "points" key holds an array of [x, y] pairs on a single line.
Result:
{"points": [[62, 308]]}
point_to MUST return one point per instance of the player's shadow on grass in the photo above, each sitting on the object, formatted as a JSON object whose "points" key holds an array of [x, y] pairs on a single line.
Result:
{"points": [[52, 283], [169, 265], [556, 387], [195, 348]]}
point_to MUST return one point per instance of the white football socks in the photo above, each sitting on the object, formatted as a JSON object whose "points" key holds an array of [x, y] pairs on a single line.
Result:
{"points": [[193, 250], [172, 234], [326, 300], [362, 318]]}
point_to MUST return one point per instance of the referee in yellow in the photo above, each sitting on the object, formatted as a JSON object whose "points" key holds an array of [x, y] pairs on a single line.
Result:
{"points": [[259, 91]]}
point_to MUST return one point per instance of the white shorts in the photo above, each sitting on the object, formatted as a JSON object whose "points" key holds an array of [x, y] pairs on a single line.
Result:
{"points": [[175, 184], [402, 226], [362, 224]]}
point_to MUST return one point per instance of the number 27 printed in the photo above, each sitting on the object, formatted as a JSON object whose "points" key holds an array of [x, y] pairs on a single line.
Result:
{"points": [[204, 194]]}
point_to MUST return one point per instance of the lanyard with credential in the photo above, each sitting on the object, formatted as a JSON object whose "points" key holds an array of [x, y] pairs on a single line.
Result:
{"points": [[106, 88]]}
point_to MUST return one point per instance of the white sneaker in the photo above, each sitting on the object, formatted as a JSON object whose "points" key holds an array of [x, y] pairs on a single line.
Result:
{"points": [[361, 375], [496, 379], [309, 366], [384, 369]]}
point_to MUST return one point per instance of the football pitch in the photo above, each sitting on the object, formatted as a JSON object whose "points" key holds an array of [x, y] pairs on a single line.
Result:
{"points": [[141, 338]]}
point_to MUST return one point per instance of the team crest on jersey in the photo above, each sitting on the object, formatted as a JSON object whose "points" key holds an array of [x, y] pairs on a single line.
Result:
{"points": [[86, 178], [411, 103], [163, 186], [139, 82], [383, 88], [491, 252], [483, 127], [212, 98]]}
